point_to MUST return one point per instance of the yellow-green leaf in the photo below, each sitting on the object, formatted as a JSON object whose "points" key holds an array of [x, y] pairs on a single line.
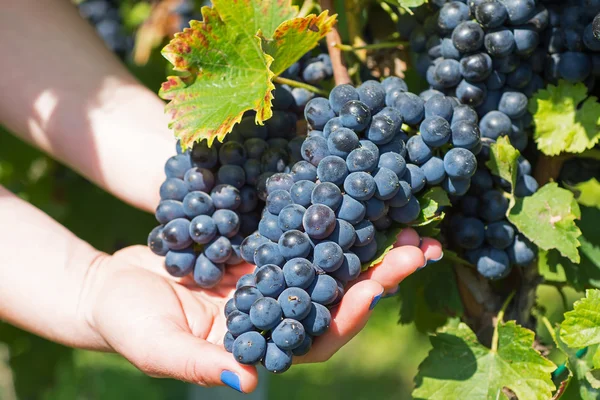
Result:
{"points": [[566, 119]]}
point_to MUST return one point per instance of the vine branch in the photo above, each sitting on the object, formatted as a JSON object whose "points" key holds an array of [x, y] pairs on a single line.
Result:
{"points": [[340, 72], [499, 319], [297, 84]]}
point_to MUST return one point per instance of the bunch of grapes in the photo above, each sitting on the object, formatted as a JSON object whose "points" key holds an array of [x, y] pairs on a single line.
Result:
{"points": [[105, 18], [479, 227], [360, 174], [494, 55], [211, 197]]}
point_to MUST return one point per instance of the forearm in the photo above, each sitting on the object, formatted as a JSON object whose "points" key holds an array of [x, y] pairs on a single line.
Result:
{"points": [[45, 275], [64, 92]]}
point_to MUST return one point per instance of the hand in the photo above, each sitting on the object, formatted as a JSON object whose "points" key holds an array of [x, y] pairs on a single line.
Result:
{"points": [[168, 327]]}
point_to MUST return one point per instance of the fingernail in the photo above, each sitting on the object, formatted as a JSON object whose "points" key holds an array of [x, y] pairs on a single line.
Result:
{"points": [[420, 242], [232, 380], [423, 266], [392, 293], [375, 300], [435, 260]]}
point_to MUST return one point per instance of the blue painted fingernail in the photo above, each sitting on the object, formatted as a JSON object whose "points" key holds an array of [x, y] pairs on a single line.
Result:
{"points": [[232, 380], [436, 260], [375, 300], [423, 266], [420, 242]]}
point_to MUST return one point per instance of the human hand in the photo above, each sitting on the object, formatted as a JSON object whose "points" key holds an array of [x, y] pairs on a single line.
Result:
{"points": [[169, 327]]}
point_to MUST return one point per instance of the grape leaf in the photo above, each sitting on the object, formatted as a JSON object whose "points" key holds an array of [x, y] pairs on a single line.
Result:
{"points": [[503, 161], [552, 266], [587, 193], [385, 243], [566, 119], [459, 367], [233, 77], [295, 37], [578, 386], [581, 326], [430, 202], [408, 4], [429, 296], [547, 218], [225, 70]]}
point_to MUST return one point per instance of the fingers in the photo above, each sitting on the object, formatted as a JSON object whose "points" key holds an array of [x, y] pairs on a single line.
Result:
{"points": [[397, 265], [180, 355], [347, 320], [407, 237], [432, 249]]}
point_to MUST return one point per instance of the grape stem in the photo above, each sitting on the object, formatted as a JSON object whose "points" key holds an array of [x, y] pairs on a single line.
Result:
{"points": [[499, 319], [298, 84], [340, 72], [374, 46]]}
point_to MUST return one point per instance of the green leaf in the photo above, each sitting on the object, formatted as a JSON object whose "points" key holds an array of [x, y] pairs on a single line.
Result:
{"points": [[408, 4], [430, 202], [554, 267], [459, 367], [503, 161], [232, 77], [581, 326], [429, 296], [588, 193], [578, 385], [385, 243], [295, 37], [596, 358], [566, 119], [547, 218], [226, 71]]}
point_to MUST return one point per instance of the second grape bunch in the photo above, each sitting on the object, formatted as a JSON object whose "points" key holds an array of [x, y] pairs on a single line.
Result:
{"points": [[364, 162]]}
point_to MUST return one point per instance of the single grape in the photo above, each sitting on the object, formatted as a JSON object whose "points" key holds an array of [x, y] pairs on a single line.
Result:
{"points": [[355, 115], [372, 94], [227, 222], [365, 253], [249, 348], [491, 14], [298, 272], [180, 263], [415, 177], [246, 280], [460, 163], [394, 162], [176, 234], [173, 189], [493, 206], [341, 142], [500, 42], [199, 179], [319, 221], [434, 172], [218, 250], [350, 210], [277, 360], [265, 313], [168, 210], [407, 213], [435, 132], [303, 170], [304, 347], [365, 233], [359, 185], [269, 280], [268, 253], [493, 263], [467, 37], [361, 159], [225, 196], [295, 303], [464, 113], [323, 289], [293, 244], [332, 169], [238, 322], [177, 166], [350, 268], [207, 274], [318, 320], [343, 234], [269, 227], [521, 252], [403, 196], [340, 95], [411, 106], [471, 93]]}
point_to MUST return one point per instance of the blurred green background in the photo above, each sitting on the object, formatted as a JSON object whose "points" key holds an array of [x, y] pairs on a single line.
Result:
{"points": [[378, 364]]}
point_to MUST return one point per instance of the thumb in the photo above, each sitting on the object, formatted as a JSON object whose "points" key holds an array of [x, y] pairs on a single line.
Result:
{"points": [[182, 356]]}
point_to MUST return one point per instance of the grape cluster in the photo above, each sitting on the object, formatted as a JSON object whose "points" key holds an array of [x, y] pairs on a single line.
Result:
{"points": [[479, 226], [212, 196], [360, 174], [314, 70], [105, 17]]}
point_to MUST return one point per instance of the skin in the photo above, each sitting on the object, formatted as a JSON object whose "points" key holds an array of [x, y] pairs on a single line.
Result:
{"points": [[83, 108]]}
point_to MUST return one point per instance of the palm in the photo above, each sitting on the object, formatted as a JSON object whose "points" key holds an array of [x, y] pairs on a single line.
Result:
{"points": [[170, 299]]}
